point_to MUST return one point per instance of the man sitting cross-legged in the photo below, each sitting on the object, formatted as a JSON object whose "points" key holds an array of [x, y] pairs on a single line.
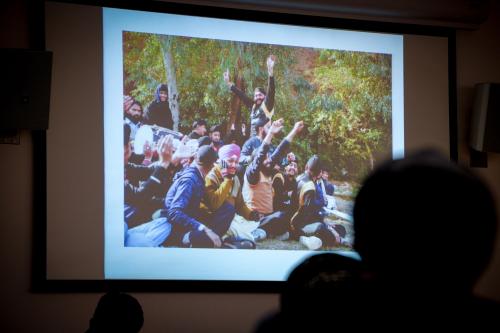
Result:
{"points": [[183, 204], [307, 224]]}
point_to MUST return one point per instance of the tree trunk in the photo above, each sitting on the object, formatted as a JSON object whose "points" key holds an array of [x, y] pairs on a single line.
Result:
{"points": [[370, 156], [173, 95], [235, 112]]}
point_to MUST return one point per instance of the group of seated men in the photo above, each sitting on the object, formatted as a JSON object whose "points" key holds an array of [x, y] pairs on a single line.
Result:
{"points": [[221, 195]]}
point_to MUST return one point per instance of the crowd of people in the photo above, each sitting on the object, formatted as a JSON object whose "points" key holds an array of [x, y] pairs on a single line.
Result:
{"points": [[209, 189]]}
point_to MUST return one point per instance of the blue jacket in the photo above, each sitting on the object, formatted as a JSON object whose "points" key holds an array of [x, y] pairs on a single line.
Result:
{"points": [[329, 187], [320, 200], [183, 200], [248, 147]]}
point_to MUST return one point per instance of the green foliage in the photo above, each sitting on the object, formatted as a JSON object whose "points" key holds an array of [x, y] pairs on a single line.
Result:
{"points": [[143, 67], [356, 123], [343, 97]]}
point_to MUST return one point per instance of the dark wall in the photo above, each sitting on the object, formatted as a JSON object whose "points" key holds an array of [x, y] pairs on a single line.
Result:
{"points": [[21, 311]]}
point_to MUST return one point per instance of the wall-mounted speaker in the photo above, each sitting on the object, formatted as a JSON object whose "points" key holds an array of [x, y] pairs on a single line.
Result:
{"points": [[485, 127], [25, 89]]}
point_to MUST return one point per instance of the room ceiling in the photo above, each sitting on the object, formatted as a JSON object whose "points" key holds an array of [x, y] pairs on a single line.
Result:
{"points": [[464, 14]]}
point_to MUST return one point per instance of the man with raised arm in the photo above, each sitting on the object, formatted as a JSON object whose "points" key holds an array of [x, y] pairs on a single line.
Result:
{"points": [[260, 128], [258, 179], [262, 104]]}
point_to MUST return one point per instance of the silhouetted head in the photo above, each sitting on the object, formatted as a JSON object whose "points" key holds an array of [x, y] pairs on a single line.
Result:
{"points": [[117, 312], [426, 222], [322, 291]]}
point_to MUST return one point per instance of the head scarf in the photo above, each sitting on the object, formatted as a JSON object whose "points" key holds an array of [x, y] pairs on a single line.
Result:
{"points": [[161, 87], [227, 151]]}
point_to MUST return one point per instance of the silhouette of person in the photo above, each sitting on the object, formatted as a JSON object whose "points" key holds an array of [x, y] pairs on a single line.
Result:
{"points": [[117, 312], [322, 293], [425, 230]]}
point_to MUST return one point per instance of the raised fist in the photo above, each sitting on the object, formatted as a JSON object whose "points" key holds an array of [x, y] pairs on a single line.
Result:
{"points": [[127, 102], [226, 77], [276, 126], [270, 64], [165, 150], [298, 126]]}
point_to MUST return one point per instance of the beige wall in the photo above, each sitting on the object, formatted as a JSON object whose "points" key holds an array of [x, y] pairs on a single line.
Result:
{"points": [[478, 60], [21, 311], [424, 101]]}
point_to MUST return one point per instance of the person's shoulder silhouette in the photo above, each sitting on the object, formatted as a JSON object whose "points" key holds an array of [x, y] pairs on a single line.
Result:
{"points": [[323, 291], [425, 227], [117, 312]]}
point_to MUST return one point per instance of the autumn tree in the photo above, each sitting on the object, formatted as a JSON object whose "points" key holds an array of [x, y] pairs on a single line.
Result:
{"points": [[343, 97]]}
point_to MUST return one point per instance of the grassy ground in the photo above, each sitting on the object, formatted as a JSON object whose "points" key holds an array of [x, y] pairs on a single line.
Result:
{"points": [[345, 204]]}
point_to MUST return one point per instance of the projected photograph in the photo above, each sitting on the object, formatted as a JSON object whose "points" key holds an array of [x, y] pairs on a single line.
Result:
{"points": [[244, 143], [248, 146]]}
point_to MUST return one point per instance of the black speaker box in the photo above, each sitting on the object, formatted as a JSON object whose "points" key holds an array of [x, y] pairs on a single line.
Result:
{"points": [[485, 129], [25, 89]]}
